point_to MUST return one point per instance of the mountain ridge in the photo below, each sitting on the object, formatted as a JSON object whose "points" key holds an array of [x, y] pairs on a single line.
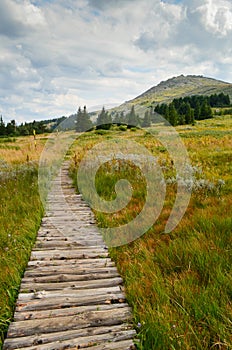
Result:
{"points": [[175, 87]]}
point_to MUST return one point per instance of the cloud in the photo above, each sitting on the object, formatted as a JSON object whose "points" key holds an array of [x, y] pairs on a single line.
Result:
{"points": [[216, 16], [57, 55], [16, 18]]}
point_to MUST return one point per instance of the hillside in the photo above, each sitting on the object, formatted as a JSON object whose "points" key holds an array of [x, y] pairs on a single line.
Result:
{"points": [[176, 87]]}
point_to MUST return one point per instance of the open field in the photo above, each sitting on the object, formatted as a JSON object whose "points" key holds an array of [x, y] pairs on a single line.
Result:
{"points": [[179, 284], [20, 215]]}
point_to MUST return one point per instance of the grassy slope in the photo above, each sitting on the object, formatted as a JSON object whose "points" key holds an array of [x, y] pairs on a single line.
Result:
{"points": [[176, 87], [180, 284]]}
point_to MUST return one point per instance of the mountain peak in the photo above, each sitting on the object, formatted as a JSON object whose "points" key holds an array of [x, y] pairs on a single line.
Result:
{"points": [[181, 86], [176, 87]]}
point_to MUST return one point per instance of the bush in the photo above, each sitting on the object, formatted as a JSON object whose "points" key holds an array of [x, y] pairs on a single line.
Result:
{"points": [[123, 127]]}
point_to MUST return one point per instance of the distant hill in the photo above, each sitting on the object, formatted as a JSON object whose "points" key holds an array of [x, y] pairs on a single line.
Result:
{"points": [[176, 87], [164, 92]]}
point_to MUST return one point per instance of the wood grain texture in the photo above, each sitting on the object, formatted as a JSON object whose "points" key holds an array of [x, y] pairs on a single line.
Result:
{"points": [[71, 295]]}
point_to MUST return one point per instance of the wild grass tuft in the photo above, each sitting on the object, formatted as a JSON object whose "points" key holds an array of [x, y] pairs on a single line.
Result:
{"points": [[20, 216], [179, 284]]}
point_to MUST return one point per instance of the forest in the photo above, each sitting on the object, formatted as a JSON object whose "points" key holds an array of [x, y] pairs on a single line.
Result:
{"points": [[190, 108], [24, 129]]}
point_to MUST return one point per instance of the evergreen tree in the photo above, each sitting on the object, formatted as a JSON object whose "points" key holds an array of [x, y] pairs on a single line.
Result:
{"points": [[188, 114], [133, 119], [2, 127], [173, 116], [104, 120], [120, 118], [206, 111], [197, 110], [83, 122], [116, 119], [146, 120], [182, 119], [166, 112], [11, 128]]}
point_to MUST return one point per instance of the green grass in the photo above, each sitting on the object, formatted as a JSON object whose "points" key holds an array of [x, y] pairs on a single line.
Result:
{"points": [[178, 284], [20, 215]]}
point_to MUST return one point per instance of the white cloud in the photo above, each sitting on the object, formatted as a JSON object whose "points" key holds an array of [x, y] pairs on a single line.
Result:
{"points": [[217, 16], [56, 55]]}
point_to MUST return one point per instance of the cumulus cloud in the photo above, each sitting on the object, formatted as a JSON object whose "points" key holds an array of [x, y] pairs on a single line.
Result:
{"points": [[16, 18], [57, 55], [217, 16]]}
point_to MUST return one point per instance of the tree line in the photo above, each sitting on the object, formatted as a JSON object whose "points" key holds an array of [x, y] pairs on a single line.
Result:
{"points": [[180, 111], [190, 108], [105, 120], [40, 127]]}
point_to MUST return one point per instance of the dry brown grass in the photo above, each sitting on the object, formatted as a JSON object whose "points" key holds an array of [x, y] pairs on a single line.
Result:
{"points": [[22, 149]]}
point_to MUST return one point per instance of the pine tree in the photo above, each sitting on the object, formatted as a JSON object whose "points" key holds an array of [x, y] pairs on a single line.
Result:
{"points": [[11, 128], [166, 112], [133, 119], [197, 110], [104, 120], [83, 122], [120, 119], [2, 127], [173, 116], [188, 114], [206, 111], [147, 120]]}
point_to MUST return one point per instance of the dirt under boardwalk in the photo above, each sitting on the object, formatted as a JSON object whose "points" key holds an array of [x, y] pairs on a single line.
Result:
{"points": [[71, 295]]}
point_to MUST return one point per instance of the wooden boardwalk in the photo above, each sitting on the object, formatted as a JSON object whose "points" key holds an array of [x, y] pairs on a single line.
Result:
{"points": [[71, 295]]}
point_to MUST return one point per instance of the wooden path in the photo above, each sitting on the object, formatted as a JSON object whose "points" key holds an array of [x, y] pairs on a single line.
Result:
{"points": [[71, 295]]}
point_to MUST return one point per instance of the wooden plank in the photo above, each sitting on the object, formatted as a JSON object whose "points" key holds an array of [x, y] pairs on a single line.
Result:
{"points": [[31, 315], [45, 338], [65, 245], [49, 286], [122, 345], [66, 242], [83, 263], [61, 301], [97, 341], [64, 274], [68, 254], [58, 324], [69, 293], [68, 232]]}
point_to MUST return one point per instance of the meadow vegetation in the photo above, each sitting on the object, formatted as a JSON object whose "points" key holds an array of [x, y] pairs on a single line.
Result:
{"points": [[179, 284], [20, 216]]}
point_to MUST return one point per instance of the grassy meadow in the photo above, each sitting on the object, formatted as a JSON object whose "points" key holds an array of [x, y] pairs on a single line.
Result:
{"points": [[20, 215], [178, 284]]}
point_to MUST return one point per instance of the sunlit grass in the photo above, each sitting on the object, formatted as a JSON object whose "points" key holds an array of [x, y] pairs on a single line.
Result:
{"points": [[21, 149], [20, 215], [179, 284]]}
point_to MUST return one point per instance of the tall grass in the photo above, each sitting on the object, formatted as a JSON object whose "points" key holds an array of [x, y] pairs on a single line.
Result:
{"points": [[178, 284], [20, 216]]}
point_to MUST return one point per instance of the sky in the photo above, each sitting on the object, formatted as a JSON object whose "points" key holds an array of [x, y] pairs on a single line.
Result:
{"points": [[58, 55]]}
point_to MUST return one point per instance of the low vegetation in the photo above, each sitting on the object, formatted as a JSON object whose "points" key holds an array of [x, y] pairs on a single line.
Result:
{"points": [[20, 215], [179, 284]]}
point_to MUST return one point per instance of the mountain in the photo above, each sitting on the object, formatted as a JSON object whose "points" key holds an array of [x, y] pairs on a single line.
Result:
{"points": [[164, 92], [176, 87]]}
